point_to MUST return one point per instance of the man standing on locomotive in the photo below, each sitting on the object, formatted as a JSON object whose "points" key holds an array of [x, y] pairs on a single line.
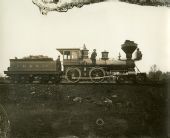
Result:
{"points": [[58, 64], [138, 54], [93, 57]]}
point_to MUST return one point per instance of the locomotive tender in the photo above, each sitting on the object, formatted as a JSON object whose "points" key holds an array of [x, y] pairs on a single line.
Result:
{"points": [[77, 66]]}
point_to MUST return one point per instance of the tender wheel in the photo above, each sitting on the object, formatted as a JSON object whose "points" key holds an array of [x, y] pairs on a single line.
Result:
{"points": [[73, 74], [97, 75]]}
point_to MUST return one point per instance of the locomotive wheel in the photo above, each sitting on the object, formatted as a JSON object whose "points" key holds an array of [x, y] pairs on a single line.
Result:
{"points": [[97, 75], [73, 74]]}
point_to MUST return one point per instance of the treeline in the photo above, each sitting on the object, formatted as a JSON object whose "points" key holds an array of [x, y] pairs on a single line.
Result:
{"points": [[157, 75]]}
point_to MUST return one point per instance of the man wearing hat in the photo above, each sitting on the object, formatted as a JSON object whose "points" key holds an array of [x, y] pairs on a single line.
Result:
{"points": [[93, 57], [58, 64], [138, 54]]}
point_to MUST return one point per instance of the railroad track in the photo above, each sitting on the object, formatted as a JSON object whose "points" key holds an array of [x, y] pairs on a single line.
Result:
{"points": [[90, 83]]}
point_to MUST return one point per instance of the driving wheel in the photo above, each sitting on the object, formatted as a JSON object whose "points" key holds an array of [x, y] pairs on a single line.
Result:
{"points": [[97, 75], [73, 74]]}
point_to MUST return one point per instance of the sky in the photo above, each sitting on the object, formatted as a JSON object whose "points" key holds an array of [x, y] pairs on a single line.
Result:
{"points": [[103, 26]]}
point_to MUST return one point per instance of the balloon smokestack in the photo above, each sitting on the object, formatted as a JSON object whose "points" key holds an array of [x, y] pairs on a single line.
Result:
{"points": [[129, 47]]}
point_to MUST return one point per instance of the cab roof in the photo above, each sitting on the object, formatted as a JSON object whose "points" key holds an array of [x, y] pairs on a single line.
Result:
{"points": [[67, 51]]}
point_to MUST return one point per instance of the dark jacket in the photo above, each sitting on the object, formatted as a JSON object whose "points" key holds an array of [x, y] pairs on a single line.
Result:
{"points": [[93, 55]]}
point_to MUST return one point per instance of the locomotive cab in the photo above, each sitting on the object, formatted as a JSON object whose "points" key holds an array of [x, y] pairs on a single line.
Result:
{"points": [[71, 56]]}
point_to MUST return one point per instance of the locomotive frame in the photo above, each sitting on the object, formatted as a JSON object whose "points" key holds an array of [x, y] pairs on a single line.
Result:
{"points": [[77, 67]]}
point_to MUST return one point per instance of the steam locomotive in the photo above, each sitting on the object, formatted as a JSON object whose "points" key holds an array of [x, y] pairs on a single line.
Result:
{"points": [[77, 67]]}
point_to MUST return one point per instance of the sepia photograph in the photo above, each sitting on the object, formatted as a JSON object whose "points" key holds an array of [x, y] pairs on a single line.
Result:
{"points": [[84, 69]]}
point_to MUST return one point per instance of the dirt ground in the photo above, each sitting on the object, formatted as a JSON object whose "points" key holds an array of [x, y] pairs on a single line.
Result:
{"points": [[86, 110]]}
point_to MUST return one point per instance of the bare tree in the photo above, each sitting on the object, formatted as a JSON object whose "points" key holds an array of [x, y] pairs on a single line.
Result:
{"points": [[155, 73]]}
